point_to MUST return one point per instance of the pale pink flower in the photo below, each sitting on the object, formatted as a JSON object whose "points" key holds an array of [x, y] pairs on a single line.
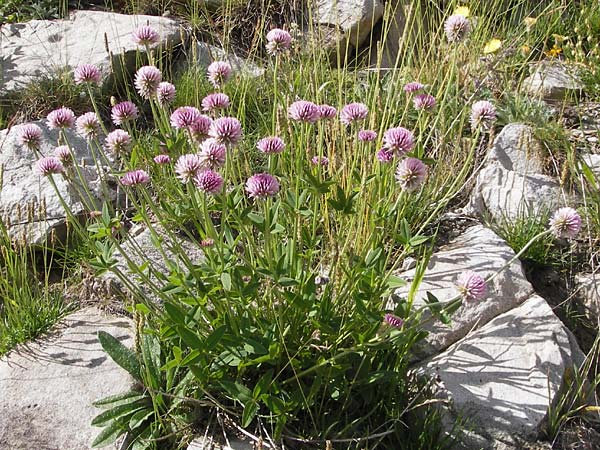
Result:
{"points": [[262, 185], [118, 141], [165, 93], [226, 130], [200, 128], [208, 181], [123, 112], [393, 321], [30, 136], [185, 117], [565, 223], [88, 125], [385, 155], [353, 112], [187, 166], [471, 285], [457, 27], [145, 36], [412, 87], [162, 159], [135, 177], [278, 41], [87, 73], [304, 111], [63, 153], [212, 154], [218, 73], [61, 118], [271, 144], [367, 135], [147, 79], [327, 112], [399, 140], [49, 165], [320, 160], [424, 102], [215, 101], [483, 115], [411, 173]]}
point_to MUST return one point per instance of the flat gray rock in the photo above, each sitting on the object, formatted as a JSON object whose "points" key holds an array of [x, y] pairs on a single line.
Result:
{"points": [[593, 162], [355, 18], [516, 149], [47, 387], [511, 185], [553, 80], [478, 249], [504, 376], [139, 251], [29, 204], [44, 47]]}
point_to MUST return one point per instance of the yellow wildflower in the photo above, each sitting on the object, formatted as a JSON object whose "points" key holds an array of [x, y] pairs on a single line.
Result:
{"points": [[492, 46], [462, 10]]}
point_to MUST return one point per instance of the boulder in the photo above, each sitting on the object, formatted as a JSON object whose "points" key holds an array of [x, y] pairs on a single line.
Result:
{"points": [[553, 80], [384, 54], [502, 378], [355, 18], [43, 47], [203, 54], [150, 251], [593, 162], [47, 387], [478, 249], [29, 204], [511, 185]]}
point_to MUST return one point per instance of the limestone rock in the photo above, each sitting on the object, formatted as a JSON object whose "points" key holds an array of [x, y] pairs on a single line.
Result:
{"points": [[588, 285], [29, 204], [481, 250], [139, 250], [516, 149], [355, 18], [511, 184], [47, 387], [42, 47], [504, 376], [203, 54], [553, 80]]}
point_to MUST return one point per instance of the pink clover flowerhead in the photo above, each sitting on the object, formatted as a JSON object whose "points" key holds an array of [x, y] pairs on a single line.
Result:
{"points": [[385, 156], [320, 160], [61, 118], [367, 135], [185, 117], [304, 111], [118, 142], [327, 112], [30, 136], [135, 177], [165, 93], [271, 144], [49, 165], [278, 41], [63, 153], [187, 166], [88, 125], [565, 223], [218, 73], [147, 79], [162, 159], [212, 154], [201, 127], [457, 27], [411, 174], [353, 112], [471, 285], [393, 320], [124, 112], [215, 101], [145, 35], [208, 181], [483, 115], [399, 140], [262, 185], [413, 86], [226, 130], [87, 73], [424, 102]]}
